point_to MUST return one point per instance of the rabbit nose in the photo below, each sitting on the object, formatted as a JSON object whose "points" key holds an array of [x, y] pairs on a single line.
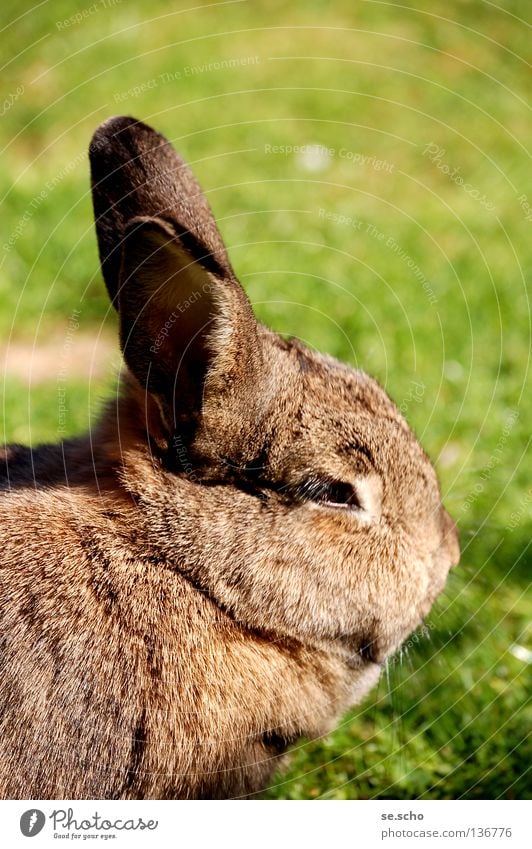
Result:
{"points": [[450, 533]]}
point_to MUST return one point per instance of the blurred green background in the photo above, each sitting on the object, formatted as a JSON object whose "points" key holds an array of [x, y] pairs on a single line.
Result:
{"points": [[398, 237]]}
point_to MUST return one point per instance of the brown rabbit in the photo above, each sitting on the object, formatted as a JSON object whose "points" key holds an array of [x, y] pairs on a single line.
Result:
{"points": [[225, 563]]}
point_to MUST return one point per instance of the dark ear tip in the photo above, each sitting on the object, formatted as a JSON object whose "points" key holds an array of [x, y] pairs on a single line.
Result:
{"points": [[107, 132], [116, 132]]}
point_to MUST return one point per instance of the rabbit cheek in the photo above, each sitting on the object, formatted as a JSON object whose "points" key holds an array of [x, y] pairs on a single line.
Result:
{"points": [[438, 575], [441, 560]]}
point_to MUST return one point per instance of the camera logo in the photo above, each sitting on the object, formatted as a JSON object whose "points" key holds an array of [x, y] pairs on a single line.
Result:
{"points": [[32, 822]]}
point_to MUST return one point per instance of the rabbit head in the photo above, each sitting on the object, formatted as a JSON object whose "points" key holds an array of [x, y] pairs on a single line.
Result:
{"points": [[286, 485]]}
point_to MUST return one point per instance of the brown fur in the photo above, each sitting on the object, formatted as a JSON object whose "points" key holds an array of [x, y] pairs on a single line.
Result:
{"points": [[179, 597]]}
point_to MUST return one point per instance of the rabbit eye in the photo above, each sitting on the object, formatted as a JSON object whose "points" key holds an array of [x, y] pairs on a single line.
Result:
{"points": [[334, 493], [339, 493]]}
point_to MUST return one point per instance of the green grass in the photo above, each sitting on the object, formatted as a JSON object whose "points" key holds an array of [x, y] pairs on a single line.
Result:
{"points": [[378, 81]]}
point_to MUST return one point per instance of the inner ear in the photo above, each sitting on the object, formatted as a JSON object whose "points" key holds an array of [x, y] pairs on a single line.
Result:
{"points": [[165, 305], [179, 321]]}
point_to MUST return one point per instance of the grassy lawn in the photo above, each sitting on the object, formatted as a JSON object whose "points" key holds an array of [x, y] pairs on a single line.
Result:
{"points": [[397, 237]]}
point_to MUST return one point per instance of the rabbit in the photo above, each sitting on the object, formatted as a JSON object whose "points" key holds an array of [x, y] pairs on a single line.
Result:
{"points": [[225, 562]]}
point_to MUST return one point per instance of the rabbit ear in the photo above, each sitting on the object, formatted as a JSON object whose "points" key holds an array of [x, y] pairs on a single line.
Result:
{"points": [[136, 172], [186, 330]]}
